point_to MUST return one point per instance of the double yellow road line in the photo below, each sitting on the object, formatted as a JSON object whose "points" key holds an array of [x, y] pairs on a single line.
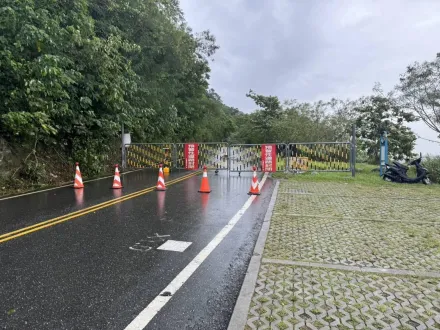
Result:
{"points": [[48, 223]]}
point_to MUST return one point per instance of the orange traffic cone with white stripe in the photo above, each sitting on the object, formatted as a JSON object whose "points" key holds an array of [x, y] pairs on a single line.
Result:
{"points": [[204, 187], [78, 182], [160, 180], [117, 179], [255, 186]]}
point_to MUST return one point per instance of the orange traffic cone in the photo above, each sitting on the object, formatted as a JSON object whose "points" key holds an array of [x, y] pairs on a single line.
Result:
{"points": [[204, 187], [78, 183], [117, 179], [160, 180], [255, 186]]}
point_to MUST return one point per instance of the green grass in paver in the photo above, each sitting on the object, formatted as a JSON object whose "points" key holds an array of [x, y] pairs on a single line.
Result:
{"points": [[364, 177], [365, 183], [360, 207], [354, 242], [393, 295], [334, 224]]}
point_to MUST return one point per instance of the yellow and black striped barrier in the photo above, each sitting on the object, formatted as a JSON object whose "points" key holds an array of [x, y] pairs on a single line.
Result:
{"points": [[149, 155], [319, 156], [213, 155], [243, 157]]}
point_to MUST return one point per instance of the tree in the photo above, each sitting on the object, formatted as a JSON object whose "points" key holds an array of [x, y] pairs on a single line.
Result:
{"points": [[312, 122], [245, 132], [378, 113], [72, 71], [342, 118], [294, 121], [420, 91], [171, 67], [270, 110], [59, 74]]}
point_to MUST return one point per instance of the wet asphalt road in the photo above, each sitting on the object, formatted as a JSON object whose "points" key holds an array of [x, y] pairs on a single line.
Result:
{"points": [[82, 274], [27, 210]]}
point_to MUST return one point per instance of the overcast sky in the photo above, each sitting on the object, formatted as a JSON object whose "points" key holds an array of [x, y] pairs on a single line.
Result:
{"points": [[316, 49]]}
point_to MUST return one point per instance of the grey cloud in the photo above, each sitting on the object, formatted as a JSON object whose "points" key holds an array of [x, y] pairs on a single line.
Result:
{"points": [[311, 50]]}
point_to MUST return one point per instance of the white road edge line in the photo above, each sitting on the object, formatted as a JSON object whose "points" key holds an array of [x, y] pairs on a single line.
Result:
{"points": [[142, 320], [63, 186]]}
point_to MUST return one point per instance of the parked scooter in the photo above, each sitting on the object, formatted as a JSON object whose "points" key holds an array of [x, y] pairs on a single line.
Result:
{"points": [[398, 172]]}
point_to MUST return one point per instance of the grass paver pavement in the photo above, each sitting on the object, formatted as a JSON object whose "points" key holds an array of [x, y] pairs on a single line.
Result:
{"points": [[338, 223]]}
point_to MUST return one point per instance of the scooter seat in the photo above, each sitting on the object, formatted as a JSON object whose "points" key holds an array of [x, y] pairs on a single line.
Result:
{"points": [[400, 165]]}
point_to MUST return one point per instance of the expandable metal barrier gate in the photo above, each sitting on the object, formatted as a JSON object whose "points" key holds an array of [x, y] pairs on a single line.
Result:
{"points": [[293, 157]]}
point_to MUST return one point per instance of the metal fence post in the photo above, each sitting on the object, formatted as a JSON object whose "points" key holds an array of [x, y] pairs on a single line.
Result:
{"points": [[229, 158], [174, 155], [353, 151]]}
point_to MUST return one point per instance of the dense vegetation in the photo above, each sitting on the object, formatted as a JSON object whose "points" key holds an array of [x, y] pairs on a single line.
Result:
{"points": [[71, 72]]}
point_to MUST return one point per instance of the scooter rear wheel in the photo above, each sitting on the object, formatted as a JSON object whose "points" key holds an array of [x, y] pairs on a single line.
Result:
{"points": [[387, 179], [426, 181]]}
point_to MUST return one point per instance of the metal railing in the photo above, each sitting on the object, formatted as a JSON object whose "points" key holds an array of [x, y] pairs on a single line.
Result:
{"points": [[149, 155], [272, 157], [266, 157], [320, 156], [213, 155]]}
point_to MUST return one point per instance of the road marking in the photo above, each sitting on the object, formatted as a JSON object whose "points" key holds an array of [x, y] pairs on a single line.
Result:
{"points": [[155, 238], [145, 317], [145, 247], [51, 222], [64, 186], [141, 248], [98, 206], [177, 246]]}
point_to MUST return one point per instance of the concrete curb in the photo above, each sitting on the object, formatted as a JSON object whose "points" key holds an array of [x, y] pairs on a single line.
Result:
{"points": [[239, 316]]}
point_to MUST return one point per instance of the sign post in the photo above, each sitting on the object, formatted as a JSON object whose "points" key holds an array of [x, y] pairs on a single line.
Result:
{"points": [[125, 141]]}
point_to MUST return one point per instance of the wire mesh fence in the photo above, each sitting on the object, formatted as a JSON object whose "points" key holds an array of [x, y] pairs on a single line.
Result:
{"points": [[149, 155], [319, 156], [213, 155], [266, 157], [275, 157]]}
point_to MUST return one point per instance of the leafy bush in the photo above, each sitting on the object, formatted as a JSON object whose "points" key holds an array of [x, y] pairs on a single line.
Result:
{"points": [[32, 171], [95, 156], [432, 163]]}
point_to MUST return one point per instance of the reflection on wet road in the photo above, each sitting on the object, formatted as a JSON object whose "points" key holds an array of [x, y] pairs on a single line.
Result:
{"points": [[102, 269]]}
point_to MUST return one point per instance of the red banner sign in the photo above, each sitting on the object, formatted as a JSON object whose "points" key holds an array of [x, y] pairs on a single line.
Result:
{"points": [[191, 156], [268, 157]]}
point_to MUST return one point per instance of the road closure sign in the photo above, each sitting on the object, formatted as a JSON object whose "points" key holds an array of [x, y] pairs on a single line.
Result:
{"points": [[268, 157], [191, 156]]}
